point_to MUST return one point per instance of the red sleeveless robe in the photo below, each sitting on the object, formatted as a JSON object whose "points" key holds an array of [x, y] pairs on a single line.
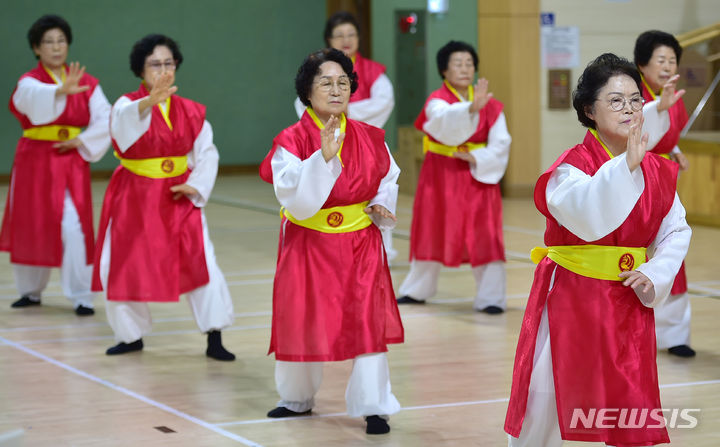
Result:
{"points": [[367, 71], [333, 297], [456, 219], [602, 336], [157, 250], [678, 120], [31, 228]]}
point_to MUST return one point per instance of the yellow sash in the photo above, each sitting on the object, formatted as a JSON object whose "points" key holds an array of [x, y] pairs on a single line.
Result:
{"points": [[339, 219], [52, 132], [665, 156], [448, 151], [593, 261], [159, 167]]}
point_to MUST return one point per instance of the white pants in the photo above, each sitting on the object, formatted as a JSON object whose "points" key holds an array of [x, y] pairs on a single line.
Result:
{"points": [[211, 304], [672, 321], [388, 243], [540, 427], [421, 283], [75, 273], [368, 391]]}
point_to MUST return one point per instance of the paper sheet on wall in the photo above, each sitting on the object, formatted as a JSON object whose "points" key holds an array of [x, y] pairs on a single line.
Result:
{"points": [[560, 46]]}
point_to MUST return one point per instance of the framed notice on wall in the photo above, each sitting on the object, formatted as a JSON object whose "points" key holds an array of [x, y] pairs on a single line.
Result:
{"points": [[558, 89], [560, 46]]}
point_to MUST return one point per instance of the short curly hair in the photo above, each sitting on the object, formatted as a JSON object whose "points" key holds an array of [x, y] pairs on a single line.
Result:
{"points": [[337, 19], [454, 46], [593, 79], [311, 67], [145, 47], [649, 40], [45, 23]]}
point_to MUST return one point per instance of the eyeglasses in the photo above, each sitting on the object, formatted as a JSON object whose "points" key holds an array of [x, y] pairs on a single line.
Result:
{"points": [[326, 85], [59, 42], [618, 103], [158, 66], [344, 36]]}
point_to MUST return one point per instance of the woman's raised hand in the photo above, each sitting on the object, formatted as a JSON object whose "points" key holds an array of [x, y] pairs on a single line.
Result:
{"points": [[481, 95], [162, 88], [72, 79], [328, 143], [669, 96], [636, 143]]}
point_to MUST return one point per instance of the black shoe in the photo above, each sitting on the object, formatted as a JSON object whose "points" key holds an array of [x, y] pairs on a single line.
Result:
{"points": [[215, 348], [83, 311], [122, 348], [492, 310], [376, 425], [409, 300], [282, 412], [25, 301], [682, 351]]}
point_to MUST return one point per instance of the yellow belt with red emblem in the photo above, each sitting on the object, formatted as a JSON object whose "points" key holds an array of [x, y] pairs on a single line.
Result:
{"points": [[593, 261], [448, 151], [338, 219], [52, 132], [158, 167]]}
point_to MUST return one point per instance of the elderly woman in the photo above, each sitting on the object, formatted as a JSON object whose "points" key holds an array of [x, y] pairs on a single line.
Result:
{"points": [[457, 216], [333, 298], [373, 101], [153, 243], [588, 338], [48, 219], [657, 55]]}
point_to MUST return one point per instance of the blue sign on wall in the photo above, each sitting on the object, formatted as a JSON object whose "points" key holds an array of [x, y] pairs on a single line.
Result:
{"points": [[547, 19]]}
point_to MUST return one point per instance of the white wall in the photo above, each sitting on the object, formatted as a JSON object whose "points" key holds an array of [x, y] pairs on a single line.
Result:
{"points": [[610, 26]]}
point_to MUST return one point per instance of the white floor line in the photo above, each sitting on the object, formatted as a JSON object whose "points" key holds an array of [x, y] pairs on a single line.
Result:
{"points": [[152, 334], [228, 329], [133, 394], [679, 385], [696, 287], [523, 230], [263, 313], [426, 407], [329, 415], [247, 282]]}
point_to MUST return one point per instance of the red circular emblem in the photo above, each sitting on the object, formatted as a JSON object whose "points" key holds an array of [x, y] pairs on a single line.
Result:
{"points": [[167, 166], [334, 219], [626, 262], [63, 134]]}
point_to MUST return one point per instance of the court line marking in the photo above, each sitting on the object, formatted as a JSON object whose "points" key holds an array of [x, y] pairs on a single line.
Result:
{"points": [[314, 416], [441, 301], [426, 407], [130, 393], [397, 233], [228, 329], [264, 313]]}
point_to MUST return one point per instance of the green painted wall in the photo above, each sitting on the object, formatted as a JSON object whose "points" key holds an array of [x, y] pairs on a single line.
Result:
{"points": [[459, 23], [240, 59]]}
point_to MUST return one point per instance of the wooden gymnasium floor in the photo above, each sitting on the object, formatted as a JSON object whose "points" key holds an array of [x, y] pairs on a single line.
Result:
{"points": [[452, 375]]}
